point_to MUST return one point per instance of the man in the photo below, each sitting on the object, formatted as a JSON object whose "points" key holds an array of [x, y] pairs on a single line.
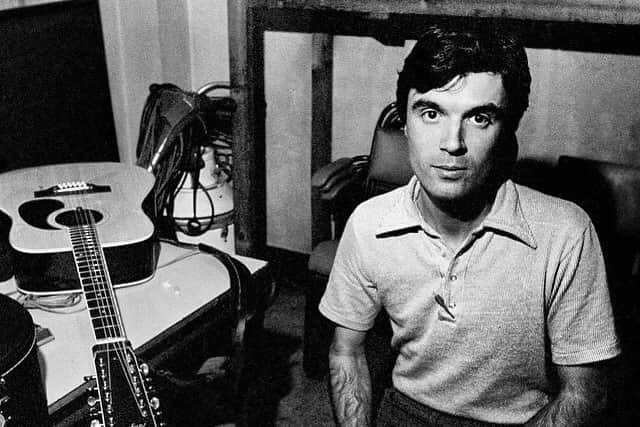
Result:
{"points": [[496, 293]]}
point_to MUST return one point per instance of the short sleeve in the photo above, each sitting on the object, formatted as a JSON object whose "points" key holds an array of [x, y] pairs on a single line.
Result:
{"points": [[351, 298], [580, 317]]}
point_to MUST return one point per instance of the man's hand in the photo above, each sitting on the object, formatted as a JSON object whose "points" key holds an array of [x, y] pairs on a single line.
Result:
{"points": [[582, 397], [349, 381]]}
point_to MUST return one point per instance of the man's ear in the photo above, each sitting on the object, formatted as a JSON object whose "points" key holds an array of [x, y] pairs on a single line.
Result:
{"points": [[509, 153]]}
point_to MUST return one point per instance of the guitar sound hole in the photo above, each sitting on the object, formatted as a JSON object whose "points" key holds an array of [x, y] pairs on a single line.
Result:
{"points": [[79, 217]]}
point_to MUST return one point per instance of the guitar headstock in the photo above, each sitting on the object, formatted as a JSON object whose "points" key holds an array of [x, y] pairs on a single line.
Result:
{"points": [[123, 394]]}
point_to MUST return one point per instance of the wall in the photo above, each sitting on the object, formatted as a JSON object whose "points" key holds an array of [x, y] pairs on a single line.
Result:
{"points": [[581, 103], [160, 41], [132, 47]]}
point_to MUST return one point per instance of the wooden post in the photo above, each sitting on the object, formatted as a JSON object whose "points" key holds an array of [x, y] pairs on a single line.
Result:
{"points": [[321, 118], [246, 67]]}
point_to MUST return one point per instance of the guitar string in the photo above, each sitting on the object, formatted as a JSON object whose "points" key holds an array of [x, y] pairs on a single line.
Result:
{"points": [[94, 258], [111, 302], [123, 354], [118, 329], [89, 267], [76, 235]]}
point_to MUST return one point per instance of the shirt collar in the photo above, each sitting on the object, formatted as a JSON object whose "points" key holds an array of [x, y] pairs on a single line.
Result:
{"points": [[404, 214], [506, 214]]}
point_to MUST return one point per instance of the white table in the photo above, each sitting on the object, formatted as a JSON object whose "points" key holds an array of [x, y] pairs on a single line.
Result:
{"points": [[175, 293]]}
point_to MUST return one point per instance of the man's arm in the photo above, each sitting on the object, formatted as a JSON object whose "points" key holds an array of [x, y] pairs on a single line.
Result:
{"points": [[349, 382], [582, 397]]}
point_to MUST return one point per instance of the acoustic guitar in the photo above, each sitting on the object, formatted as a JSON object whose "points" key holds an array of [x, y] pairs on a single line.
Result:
{"points": [[76, 212], [42, 203]]}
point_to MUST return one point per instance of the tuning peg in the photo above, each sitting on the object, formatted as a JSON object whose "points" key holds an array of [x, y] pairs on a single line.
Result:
{"points": [[155, 403], [88, 378], [92, 400], [144, 368]]}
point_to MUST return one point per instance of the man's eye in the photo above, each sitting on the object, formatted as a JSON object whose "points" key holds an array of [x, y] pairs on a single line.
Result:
{"points": [[430, 115], [481, 120]]}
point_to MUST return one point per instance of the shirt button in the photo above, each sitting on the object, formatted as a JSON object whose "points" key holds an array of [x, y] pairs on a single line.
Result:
{"points": [[453, 277]]}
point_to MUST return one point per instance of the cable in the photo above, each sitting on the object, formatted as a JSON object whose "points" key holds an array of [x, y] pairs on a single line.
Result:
{"points": [[59, 304], [178, 259]]}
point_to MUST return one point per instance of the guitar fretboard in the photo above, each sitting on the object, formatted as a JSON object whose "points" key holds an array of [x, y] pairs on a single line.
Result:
{"points": [[95, 281]]}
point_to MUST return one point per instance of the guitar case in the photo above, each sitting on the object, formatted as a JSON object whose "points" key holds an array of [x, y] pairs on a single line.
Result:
{"points": [[6, 253], [23, 401]]}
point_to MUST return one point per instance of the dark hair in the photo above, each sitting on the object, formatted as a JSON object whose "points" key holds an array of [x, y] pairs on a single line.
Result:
{"points": [[446, 51]]}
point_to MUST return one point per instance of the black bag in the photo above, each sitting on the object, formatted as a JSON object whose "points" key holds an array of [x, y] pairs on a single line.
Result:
{"points": [[175, 124]]}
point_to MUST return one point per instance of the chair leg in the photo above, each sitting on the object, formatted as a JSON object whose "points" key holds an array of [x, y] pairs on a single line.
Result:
{"points": [[318, 331]]}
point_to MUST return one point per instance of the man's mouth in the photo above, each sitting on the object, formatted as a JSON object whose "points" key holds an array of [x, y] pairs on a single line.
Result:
{"points": [[450, 171], [450, 167]]}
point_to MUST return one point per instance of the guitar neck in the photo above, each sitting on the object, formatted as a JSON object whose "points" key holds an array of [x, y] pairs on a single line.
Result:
{"points": [[96, 283]]}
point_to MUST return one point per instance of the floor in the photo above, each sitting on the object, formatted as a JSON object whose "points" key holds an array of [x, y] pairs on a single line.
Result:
{"points": [[281, 394]]}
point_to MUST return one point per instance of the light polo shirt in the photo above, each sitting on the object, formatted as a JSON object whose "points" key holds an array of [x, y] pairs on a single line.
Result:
{"points": [[476, 327]]}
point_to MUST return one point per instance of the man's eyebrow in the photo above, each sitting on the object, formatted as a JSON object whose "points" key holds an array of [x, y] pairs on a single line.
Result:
{"points": [[422, 103]]}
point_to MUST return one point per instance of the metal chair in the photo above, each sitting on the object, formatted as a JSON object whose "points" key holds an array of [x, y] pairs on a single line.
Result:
{"points": [[343, 184]]}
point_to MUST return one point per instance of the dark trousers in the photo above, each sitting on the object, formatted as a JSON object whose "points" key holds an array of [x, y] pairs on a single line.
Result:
{"points": [[399, 410]]}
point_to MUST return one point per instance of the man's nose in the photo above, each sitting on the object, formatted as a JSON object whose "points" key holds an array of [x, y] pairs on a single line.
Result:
{"points": [[452, 140]]}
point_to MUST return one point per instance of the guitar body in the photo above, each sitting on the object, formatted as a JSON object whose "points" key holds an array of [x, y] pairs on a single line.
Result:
{"points": [[41, 202]]}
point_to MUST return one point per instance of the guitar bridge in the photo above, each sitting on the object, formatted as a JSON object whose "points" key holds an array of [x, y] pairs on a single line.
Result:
{"points": [[72, 188]]}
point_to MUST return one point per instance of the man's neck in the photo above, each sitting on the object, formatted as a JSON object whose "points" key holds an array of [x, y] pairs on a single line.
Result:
{"points": [[454, 221]]}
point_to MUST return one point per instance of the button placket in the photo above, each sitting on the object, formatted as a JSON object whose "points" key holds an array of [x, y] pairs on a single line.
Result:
{"points": [[446, 261], [443, 265], [452, 283], [443, 296], [457, 270]]}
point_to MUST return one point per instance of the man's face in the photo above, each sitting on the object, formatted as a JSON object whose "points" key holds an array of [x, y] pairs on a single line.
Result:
{"points": [[454, 135]]}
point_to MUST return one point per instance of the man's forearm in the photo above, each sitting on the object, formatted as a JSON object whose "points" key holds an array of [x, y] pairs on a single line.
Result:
{"points": [[569, 409], [350, 388]]}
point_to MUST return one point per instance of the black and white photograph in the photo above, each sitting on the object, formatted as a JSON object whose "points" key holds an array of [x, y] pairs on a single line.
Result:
{"points": [[282, 213]]}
